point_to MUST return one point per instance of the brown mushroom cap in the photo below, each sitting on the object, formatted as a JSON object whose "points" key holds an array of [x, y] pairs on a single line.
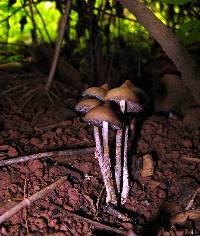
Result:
{"points": [[140, 93], [86, 105], [96, 92], [127, 94], [99, 114], [105, 86], [128, 84]]}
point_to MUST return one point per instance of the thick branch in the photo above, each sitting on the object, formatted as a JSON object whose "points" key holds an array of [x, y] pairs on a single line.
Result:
{"points": [[171, 45]]}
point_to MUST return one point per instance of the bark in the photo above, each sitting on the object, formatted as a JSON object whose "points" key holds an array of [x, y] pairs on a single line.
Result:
{"points": [[174, 49]]}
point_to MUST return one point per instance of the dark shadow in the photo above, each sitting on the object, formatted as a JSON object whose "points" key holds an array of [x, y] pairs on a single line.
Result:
{"points": [[155, 224]]}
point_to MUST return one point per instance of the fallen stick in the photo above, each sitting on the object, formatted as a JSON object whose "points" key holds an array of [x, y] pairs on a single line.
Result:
{"points": [[95, 223], [28, 201], [52, 126], [193, 159], [182, 217], [191, 202], [70, 152]]}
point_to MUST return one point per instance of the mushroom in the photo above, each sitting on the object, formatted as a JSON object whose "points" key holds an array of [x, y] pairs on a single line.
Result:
{"points": [[97, 92], [87, 104], [83, 107], [103, 116], [127, 97]]}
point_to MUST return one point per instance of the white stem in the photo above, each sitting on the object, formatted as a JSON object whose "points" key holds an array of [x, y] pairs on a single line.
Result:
{"points": [[125, 186], [99, 156], [122, 105], [118, 165], [111, 196], [99, 148]]}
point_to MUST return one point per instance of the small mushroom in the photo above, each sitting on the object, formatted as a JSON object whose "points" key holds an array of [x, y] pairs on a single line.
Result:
{"points": [[83, 107], [97, 92], [129, 101], [103, 116], [126, 97], [87, 104]]}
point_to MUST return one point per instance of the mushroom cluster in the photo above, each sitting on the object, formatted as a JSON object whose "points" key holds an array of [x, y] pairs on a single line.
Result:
{"points": [[97, 110]]}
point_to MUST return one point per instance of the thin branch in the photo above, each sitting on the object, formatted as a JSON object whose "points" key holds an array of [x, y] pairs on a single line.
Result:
{"points": [[96, 224], [15, 44], [114, 15], [28, 201], [58, 45], [5, 19], [191, 202], [34, 35], [182, 217], [44, 25], [70, 152], [18, 9], [192, 159]]}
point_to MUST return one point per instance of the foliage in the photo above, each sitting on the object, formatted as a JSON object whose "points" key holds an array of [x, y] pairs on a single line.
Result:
{"points": [[16, 23], [94, 22]]}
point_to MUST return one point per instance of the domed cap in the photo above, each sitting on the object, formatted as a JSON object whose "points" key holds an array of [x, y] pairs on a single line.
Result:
{"points": [[140, 93], [97, 92], [127, 94], [128, 84], [86, 105], [99, 114]]}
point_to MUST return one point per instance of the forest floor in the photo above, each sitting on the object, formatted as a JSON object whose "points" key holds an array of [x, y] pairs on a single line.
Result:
{"points": [[40, 125]]}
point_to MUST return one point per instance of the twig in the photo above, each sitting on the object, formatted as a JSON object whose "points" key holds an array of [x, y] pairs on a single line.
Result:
{"points": [[44, 25], [193, 159], [34, 94], [28, 201], [11, 90], [70, 152], [25, 210], [58, 45], [13, 13], [95, 223], [51, 126], [114, 15], [191, 202], [182, 217], [114, 212], [15, 44], [34, 32]]}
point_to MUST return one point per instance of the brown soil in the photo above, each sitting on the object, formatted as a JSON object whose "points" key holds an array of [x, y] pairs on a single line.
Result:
{"points": [[152, 199]]}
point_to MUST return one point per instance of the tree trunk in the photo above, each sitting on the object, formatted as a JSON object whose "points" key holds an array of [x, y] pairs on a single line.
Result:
{"points": [[174, 49]]}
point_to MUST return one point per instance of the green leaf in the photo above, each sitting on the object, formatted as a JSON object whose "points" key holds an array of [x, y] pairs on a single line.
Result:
{"points": [[189, 32], [3, 6]]}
